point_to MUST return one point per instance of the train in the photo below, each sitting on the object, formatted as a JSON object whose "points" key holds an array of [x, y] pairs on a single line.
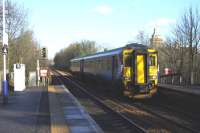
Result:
{"points": [[133, 69]]}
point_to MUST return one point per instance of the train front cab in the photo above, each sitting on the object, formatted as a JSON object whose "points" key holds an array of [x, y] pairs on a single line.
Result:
{"points": [[139, 72]]}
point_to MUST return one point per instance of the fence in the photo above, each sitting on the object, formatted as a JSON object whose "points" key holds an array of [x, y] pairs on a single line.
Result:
{"points": [[175, 79]]}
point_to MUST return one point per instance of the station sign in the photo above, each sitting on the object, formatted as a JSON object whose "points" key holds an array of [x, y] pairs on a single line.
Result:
{"points": [[5, 39], [43, 73]]}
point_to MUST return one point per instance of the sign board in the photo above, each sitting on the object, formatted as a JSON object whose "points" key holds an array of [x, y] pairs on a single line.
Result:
{"points": [[43, 73], [19, 77], [168, 71], [5, 39]]}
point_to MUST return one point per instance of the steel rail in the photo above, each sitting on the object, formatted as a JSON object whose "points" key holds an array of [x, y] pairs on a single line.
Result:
{"points": [[100, 102]]}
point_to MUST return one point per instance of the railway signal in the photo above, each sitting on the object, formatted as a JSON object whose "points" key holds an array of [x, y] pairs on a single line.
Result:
{"points": [[44, 52]]}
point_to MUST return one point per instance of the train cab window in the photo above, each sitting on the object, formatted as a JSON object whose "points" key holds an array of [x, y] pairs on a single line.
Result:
{"points": [[152, 60], [128, 61]]}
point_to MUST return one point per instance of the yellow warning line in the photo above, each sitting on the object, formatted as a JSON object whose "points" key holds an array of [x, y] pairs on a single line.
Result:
{"points": [[58, 124]]}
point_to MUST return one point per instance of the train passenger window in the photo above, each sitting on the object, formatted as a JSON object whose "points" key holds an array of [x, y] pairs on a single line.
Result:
{"points": [[152, 60], [109, 63], [114, 61], [93, 64], [104, 64], [101, 63], [128, 61]]}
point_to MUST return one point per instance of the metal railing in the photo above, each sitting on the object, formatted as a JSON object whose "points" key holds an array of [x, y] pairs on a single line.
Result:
{"points": [[174, 79]]}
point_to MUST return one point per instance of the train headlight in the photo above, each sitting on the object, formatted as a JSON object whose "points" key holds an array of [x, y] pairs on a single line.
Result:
{"points": [[127, 78], [154, 77]]}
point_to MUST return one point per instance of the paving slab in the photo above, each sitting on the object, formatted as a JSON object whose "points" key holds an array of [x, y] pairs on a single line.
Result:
{"points": [[58, 124], [21, 112], [77, 120]]}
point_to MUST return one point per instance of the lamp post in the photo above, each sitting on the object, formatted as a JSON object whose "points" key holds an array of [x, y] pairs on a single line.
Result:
{"points": [[4, 51]]}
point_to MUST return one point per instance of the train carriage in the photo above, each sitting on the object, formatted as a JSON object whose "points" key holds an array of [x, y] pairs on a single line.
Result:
{"points": [[134, 66]]}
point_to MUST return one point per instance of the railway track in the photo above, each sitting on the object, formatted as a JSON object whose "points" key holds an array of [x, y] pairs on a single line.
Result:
{"points": [[186, 115], [171, 113], [181, 103], [124, 107], [165, 115], [117, 121]]}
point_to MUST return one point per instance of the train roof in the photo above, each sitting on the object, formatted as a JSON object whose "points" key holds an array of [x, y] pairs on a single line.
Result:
{"points": [[112, 52]]}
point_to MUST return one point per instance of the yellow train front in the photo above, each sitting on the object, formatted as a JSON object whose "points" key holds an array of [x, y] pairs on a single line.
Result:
{"points": [[132, 69], [140, 72]]}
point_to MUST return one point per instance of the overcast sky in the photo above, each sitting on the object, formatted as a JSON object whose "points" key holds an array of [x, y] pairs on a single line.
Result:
{"points": [[111, 23]]}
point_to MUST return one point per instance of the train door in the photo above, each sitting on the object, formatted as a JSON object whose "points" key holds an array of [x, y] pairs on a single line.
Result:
{"points": [[153, 66], [141, 69], [114, 67], [127, 65]]}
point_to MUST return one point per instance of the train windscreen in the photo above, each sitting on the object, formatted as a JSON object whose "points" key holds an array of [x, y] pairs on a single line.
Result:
{"points": [[152, 60]]}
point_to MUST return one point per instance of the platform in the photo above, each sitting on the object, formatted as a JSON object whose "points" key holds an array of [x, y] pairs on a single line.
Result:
{"points": [[193, 90], [67, 115], [21, 113]]}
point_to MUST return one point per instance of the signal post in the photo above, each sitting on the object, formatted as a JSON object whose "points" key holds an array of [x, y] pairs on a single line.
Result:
{"points": [[4, 52], [42, 66]]}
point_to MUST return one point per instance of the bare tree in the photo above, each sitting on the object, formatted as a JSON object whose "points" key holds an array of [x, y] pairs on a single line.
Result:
{"points": [[187, 35], [142, 38], [77, 49], [24, 49], [16, 19]]}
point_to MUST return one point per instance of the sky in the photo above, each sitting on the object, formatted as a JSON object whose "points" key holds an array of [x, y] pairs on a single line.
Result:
{"points": [[111, 23]]}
